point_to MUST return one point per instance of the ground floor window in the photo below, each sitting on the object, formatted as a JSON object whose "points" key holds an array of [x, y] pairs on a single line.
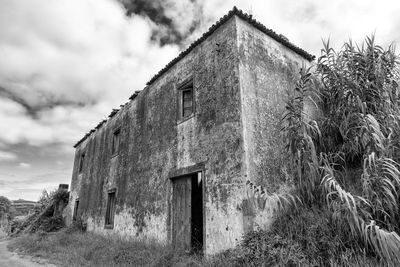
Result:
{"points": [[110, 209], [75, 210]]}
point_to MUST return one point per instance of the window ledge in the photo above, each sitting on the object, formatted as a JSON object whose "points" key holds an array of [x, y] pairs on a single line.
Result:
{"points": [[109, 226], [185, 119]]}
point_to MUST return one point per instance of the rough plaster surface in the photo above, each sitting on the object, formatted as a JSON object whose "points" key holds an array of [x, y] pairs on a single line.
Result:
{"points": [[240, 76], [267, 70]]}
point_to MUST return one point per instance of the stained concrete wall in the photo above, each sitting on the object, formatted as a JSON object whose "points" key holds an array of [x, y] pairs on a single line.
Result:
{"points": [[155, 148], [267, 70], [240, 78]]}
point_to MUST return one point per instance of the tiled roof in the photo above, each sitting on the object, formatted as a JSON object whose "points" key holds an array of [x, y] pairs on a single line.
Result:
{"points": [[278, 37], [249, 18]]}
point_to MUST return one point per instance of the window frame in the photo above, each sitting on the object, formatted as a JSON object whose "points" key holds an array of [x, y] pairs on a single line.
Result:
{"points": [[116, 135], [181, 88], [81, 162], [183, 98], [110, 209], [75, 214]]}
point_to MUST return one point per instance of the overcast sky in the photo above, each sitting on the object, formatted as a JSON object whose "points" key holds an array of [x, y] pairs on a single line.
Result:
{"points": [[65, 64]]}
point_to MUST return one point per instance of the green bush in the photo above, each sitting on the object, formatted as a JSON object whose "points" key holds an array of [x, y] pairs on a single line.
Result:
{"points": [[309, 237], [77, 225], [263, 248], [356, 102]]}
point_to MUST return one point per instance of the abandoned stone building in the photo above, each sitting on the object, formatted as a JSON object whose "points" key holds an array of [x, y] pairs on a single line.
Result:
{"points": [[179, 161]]}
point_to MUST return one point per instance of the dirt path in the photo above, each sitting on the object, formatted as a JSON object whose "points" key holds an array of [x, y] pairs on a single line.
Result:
{"points": [[11, 259]]}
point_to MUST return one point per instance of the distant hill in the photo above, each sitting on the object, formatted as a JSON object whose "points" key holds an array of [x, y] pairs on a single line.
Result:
{"points": [[24, 207]]}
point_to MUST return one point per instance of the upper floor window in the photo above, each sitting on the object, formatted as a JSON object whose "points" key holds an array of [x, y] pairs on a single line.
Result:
{"points": [[186, 100], [116, 141], [81, 162]]}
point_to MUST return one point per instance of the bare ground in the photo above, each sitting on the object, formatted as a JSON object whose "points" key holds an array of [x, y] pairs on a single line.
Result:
{"points": [[12, 259]]}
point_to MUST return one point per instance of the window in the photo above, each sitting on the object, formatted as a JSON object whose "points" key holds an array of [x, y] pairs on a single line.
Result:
{"points": [[116, 141], [186, 102], [81, 162], [110, 209], [75, 210]]}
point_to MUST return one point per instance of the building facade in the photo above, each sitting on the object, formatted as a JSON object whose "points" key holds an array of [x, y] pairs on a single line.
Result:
{"points": [[178, 162]]}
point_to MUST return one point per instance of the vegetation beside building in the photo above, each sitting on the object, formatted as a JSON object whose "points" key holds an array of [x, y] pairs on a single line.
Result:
{"points": [[348, 157], [303, 238]]}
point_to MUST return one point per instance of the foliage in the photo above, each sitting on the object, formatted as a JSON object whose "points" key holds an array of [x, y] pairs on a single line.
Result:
{"points": [[57, 195], [322, 239], [60, 195], [313, 243], [44, 199], [355, 126], [78, 225], [46, 224], [262, 248], [5, 205], [74, 248], [48, 217], [7, 213]]}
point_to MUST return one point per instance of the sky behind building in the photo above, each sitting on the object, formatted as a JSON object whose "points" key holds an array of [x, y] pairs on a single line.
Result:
{"points": [[65, 64]]}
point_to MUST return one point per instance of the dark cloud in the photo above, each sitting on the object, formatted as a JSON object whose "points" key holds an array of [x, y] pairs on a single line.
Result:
{"points": [[46, 101], [169, 30], [10, 95]]}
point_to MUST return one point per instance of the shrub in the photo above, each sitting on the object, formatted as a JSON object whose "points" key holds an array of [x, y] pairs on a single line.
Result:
{"points": [[357, 101], [77, 225]]}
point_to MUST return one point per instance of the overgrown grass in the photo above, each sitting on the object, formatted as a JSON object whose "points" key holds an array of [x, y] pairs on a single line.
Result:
{"points": [[76, 248], [323, 239], [305, 238], [310, 237]]}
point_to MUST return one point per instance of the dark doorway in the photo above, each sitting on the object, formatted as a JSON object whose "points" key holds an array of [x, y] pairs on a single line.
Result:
{"points": [[187, 213], [197, 213]]}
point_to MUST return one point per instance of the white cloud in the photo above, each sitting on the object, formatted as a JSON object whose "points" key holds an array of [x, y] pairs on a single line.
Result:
{"points": [[24, 165], [7, 156], [30, 186], [305, 22], [81, 51]]}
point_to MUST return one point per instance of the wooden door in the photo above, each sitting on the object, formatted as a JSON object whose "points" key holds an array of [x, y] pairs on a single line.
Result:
{"points": [[181, 213]]}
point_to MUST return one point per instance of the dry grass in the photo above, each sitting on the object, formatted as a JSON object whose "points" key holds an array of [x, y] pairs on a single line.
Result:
{"points": [[88, 249], [309, 237]]}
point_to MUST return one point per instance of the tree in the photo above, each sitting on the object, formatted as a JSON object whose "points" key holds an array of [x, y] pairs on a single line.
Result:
{"points": [[5, 205], [45, 199], [348, 156]]}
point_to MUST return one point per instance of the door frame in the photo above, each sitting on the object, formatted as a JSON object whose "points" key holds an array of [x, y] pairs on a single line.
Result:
{"points": [[203, 205]]}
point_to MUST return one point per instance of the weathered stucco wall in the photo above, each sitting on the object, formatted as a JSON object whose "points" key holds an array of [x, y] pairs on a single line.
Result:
{"points": [[155, 148], [267, 70], [240, 78]]}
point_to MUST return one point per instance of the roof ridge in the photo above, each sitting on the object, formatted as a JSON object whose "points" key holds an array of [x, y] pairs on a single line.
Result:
{"points": [[249, 18]]}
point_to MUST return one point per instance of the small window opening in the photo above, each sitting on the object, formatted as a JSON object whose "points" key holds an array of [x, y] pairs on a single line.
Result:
{"points": [[186, 100], [116, 141], [110, 209], [81, 162], [75, 210]]}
